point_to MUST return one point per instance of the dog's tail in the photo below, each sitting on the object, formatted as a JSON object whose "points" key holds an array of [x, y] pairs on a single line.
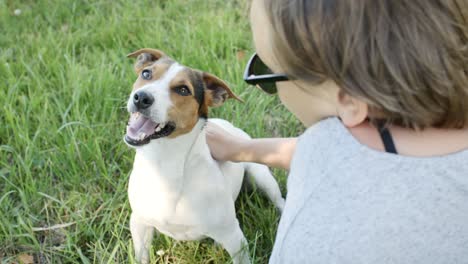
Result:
{"points": [[263, 178]]}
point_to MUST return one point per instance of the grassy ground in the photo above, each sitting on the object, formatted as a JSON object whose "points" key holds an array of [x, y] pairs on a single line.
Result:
{"points": [[64, 80]]}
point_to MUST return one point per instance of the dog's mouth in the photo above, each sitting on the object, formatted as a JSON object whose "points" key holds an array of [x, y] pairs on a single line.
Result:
{"points": [[141, 130]]}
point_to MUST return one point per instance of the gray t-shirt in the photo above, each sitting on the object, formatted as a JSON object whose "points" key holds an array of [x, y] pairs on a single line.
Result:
{"points": [[347, 203]]}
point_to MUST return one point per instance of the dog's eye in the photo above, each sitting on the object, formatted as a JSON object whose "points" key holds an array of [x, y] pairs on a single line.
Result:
{"points": [[183, 90], [146, 74]]}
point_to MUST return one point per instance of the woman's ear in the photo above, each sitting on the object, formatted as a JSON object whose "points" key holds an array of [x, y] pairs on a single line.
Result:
{"points": [[351, 110]]}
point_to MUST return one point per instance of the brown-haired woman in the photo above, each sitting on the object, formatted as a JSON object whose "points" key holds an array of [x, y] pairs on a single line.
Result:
{"points": [[381, 173]]}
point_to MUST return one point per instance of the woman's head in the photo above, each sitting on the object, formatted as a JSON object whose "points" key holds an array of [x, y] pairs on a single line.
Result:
{"points": [[406, 60]]}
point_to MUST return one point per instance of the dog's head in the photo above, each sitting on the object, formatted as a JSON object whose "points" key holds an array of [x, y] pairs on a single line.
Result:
{"points": [[168, 98]]}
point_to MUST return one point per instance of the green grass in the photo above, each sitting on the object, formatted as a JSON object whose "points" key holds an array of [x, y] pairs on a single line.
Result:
{"points": [[64, 81]]}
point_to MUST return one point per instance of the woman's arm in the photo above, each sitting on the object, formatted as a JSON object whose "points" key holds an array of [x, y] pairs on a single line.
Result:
{"points": [[273, 152]]}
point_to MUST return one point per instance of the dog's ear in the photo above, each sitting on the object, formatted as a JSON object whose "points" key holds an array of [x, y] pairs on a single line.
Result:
{"points": [[217, 91], [145, 57]]}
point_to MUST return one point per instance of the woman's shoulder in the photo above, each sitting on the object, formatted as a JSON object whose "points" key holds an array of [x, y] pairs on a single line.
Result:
{"points": [[320, 146], [323, 135], [329, 143], [331, 124]]}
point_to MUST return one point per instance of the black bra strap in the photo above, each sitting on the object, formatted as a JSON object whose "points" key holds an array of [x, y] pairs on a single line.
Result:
{"points": [[386, 138]]}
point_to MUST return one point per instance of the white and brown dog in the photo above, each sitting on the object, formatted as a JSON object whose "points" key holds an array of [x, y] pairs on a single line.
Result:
{"points": [[176, 187]]}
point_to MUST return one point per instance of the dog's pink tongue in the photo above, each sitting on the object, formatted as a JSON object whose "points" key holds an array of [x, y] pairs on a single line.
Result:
{"points": [[139, 125]]}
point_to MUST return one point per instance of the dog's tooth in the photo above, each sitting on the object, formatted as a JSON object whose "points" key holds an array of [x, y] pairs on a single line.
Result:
{"points": [[158, 129]]}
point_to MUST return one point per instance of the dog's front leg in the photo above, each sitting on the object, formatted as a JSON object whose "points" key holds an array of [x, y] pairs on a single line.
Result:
{"points": [[233, 240], [142, 235]]}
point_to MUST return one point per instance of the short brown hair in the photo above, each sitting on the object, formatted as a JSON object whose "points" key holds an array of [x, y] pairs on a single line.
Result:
{"points": [[407, 59]]}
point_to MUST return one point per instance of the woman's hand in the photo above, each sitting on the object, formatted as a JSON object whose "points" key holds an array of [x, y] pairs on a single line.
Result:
{"points": [[273, 152], [223, 145]]}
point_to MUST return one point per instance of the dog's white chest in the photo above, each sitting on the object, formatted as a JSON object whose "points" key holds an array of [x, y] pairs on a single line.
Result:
{"points": [[183, 207], [151, 193], [158, 204]]}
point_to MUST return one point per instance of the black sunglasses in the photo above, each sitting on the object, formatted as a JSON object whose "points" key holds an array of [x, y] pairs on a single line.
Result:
{"points": [[258, 74]]}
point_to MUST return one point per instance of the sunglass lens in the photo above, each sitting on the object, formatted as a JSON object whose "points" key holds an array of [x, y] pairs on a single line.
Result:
{"points": [[259, 68], [269, 88]]}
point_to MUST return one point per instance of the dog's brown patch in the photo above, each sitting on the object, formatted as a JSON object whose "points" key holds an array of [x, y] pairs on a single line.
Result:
{"points": [[158, 69], [184, 110], [208, 100]]}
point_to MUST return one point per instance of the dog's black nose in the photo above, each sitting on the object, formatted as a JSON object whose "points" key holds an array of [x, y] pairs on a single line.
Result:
{"points": [[142, 99]]}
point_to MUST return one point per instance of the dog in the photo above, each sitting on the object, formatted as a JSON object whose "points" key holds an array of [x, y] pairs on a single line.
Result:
{"points": [[175, 186]]}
